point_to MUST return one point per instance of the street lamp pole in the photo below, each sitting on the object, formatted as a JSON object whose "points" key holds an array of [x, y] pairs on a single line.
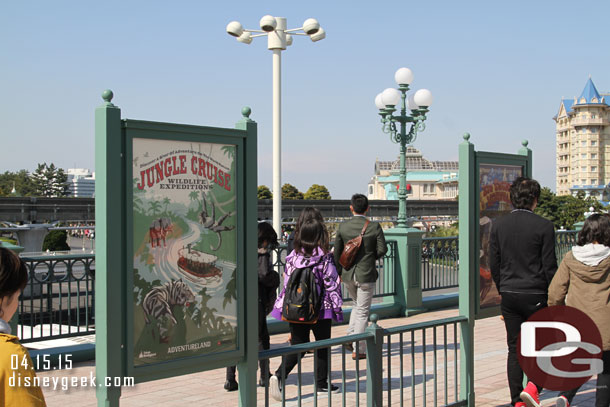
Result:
{"points": [[418, 104], [278, 38]]}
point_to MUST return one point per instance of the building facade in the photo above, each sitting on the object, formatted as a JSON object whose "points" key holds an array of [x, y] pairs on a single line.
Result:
{"points": [[426, 180], [81, 183], [583, 144]]}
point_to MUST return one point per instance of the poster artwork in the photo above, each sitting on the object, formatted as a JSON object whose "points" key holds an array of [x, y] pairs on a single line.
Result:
{"points": [[494, 200], [184, 246]]}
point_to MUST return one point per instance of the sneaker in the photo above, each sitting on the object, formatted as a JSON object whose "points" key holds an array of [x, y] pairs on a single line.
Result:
{"points": [[562, 402], [323, 388], [274, 388], [262, 382], [231, 385], [529, 395]]}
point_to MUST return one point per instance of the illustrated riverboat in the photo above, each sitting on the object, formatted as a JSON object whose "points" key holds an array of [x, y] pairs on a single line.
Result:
{"points": [[198, 264]]}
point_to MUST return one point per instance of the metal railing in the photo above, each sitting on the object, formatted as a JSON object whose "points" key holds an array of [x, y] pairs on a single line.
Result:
{"points": [[59, 298], [386, 267], [439, 262], [417, 357], [564, 240]]}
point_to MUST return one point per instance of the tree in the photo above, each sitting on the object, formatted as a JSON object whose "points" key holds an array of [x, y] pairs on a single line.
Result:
{"points": [[21, 180], [55, 240], [264, 192], [50, 181], [564, 211], [317, 192], [290, 192]]}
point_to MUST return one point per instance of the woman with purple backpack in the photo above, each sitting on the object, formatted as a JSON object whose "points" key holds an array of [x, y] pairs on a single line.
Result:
{"points": [[311, 249]]}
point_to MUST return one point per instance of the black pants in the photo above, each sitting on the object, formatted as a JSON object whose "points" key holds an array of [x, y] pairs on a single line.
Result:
{"points": [[263, 344], [602, 394], [516, 309], [300, 334]]}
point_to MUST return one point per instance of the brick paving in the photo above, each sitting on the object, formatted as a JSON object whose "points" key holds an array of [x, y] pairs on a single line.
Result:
{"points": [[206, 388]]}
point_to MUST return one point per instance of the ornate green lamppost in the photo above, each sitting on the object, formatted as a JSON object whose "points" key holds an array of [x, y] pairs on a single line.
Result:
{"points": [[410, 125]]}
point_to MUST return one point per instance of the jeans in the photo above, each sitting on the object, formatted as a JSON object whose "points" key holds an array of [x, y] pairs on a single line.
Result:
{"points": [[516, 309]]}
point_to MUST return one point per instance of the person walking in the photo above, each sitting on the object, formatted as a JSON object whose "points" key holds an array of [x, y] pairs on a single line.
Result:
{"points": [[311, 249], [523, 263], [582, 281], [361, 277], [268, 282]]}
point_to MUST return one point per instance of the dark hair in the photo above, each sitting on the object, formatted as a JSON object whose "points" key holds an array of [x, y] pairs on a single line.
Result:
{"points": [[360, 203], [13, 274], [266, 234], [524, 192], [595, 229], [311, 234]]}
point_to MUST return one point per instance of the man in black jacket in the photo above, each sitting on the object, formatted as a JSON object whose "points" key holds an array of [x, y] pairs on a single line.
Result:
{"points": [[523, 262]]}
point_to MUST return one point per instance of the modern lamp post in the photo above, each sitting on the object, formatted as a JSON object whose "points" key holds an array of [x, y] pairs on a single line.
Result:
{"points": [[410, 124], [278, 38]]}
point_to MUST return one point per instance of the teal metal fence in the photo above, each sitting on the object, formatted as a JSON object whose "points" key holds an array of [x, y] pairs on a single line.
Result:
{"points": [[386, 268], [59, 298], [403, 364], [564, 240], [439, 263]]}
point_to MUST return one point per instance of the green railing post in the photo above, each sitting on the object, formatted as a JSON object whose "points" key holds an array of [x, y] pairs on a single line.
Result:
{"points": [[247, 368], [374, 364], [468, 296], [109, 248], [407, 271]]}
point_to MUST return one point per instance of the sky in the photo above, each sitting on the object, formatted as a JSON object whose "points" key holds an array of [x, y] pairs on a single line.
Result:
{"points": [[497, 70]]}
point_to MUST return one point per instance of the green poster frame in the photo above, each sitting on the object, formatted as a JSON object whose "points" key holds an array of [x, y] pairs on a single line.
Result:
{"points": [[114, 249], [490, 158], [172, 132]]}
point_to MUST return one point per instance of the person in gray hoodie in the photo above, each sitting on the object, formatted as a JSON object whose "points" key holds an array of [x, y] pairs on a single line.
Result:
{"points": [[582, 281]]}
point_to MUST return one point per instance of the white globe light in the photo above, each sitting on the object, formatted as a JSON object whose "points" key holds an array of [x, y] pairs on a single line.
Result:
{"points": [[288, 39], [245, 37], [319, 35], [390, 97], [423, 97], [379, 102], [235, 28], [311, 26], [268, 23], [411, 103], [404, 76]]}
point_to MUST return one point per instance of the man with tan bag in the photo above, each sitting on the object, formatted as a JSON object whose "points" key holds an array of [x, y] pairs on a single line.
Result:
{"points": [[360, 276]]}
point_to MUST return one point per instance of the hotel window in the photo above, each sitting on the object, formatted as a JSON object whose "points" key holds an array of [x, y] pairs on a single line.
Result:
{"points": [[583, 143], [431, 188], [425, 188], [593, 169], [583, 182], [593, 143], [583, 169], [594, 181], [593, 156], [583, 156]]}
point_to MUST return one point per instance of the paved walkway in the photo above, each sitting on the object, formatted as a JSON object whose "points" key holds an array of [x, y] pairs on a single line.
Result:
{"points": [[205, 389]]}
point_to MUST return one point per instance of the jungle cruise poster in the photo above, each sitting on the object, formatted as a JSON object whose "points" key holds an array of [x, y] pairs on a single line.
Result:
{"points": [[184, 249]]}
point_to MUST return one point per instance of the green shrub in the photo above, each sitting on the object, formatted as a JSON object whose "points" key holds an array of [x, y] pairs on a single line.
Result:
{"points": [[56, 240]]}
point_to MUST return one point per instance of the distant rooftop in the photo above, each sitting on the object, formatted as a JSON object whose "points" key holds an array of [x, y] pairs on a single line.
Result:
{"points": [[415, 161], [588, 96]]}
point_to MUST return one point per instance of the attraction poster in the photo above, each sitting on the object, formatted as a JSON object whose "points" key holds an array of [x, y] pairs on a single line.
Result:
{"points": [[494, 200], [184, 249]]}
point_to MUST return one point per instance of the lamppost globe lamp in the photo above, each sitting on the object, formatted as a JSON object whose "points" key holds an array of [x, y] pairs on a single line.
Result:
{"points": [[278, 38], [403, 128]]}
